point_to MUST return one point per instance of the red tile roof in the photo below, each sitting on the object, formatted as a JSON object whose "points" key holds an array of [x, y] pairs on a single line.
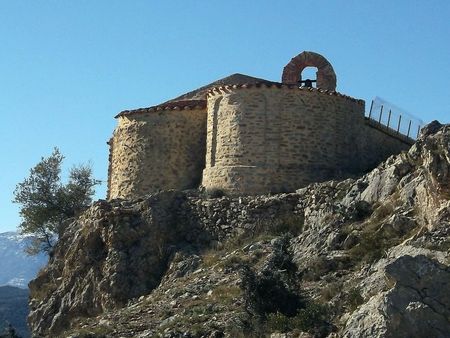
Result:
{"points": [[170, 105]]}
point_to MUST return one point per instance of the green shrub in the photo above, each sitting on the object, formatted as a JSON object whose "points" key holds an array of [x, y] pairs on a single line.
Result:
{"points": [[273, 298], [354, 299], [226, 294], [232, 263], [370, 248], [292, 224], [278, 322], [317, 268], [266, 293], [330, 290], [311, 316]]}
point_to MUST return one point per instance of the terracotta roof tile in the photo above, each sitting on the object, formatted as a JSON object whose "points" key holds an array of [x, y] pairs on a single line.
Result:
{"points": [[170, 105]]}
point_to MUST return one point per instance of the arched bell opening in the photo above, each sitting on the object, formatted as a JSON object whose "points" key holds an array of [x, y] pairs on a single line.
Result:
{"points": [[325, 76], [308, 77]]}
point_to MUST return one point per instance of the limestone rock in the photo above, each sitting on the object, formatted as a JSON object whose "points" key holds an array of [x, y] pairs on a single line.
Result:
{"points": [[418, 305]]}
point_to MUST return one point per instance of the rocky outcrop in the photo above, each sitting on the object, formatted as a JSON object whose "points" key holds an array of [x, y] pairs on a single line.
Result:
{"points": [[417, 305], [113, 253], [368, 257]]}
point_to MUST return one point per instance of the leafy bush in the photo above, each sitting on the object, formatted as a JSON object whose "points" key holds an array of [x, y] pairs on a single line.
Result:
{"points": [[273, 299], [317, 268], [274, 289], [354, 299], [233, 262], [306, 319], [266, 293], [330, 290], [292, 224], [278, 322], [370, 249]]}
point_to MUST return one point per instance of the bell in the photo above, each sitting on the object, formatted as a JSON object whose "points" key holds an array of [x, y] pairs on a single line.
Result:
{"points": [[308, 83]]}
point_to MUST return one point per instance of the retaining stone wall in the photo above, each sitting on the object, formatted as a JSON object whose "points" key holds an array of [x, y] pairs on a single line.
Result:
{"points": [[379, 143]]}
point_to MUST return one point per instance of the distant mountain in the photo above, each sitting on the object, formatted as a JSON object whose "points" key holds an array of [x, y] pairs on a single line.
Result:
{"points": [[16, 267], [14, 309]]}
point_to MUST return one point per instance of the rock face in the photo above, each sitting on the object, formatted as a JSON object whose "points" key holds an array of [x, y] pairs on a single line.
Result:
{"points": [[114, 253], [416, 306], [366, 257]]}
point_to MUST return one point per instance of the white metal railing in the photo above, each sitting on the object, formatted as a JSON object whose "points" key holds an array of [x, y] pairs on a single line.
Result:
{"points": [[394, 119]]}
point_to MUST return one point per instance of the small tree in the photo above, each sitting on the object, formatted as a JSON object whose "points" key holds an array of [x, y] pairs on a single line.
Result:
{"points": [[47, 204]]}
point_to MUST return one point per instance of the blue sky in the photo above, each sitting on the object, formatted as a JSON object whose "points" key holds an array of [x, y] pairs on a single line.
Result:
{"points": [[67, 67]]}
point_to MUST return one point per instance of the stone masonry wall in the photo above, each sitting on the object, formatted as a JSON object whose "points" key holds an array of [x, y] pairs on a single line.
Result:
{"points": [[272, 139], [379, 143], [154, 151]]}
